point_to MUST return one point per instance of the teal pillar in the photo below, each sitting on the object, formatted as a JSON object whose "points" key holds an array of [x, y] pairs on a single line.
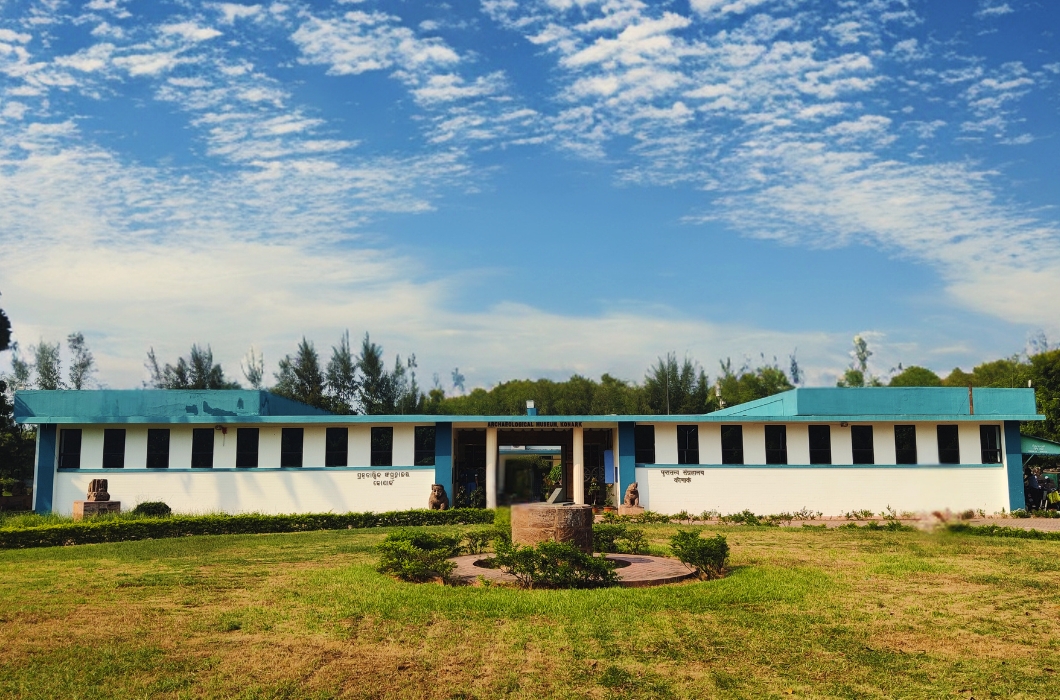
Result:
{"points": [[1014, 459], [44, 470], [627, 464], [443, 458]]}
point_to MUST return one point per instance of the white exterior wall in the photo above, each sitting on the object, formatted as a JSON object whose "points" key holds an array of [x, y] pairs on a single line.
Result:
{"points": [[883, 450], [833, 491], [798, 443], [255, 490], [666, 443], [709, 443], [404, 445], [360, 445], [314, 446], [968, 439], [842, 444], [927, 443], [754, 443]]}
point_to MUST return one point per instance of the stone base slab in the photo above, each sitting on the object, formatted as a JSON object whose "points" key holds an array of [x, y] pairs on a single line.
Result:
{"points": [[90, 508], [541, 522], [630, 510]]}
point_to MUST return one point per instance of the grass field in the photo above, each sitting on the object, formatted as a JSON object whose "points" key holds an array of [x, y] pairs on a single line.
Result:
{"points": [[803, 613]]}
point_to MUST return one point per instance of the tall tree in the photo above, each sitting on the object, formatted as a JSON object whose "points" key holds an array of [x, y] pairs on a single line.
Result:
{"points": [[341, 377], [915, 376], [253, 368], [376, 392], [47, 365], [16, 442], [21, 370], [82, 363], [198, 371], [5, 331], [677, 388], [857, 375], [747, 384], [300, 377]]}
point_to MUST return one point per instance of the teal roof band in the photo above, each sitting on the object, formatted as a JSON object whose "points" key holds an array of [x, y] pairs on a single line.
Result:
{"points": [[155, 406]]}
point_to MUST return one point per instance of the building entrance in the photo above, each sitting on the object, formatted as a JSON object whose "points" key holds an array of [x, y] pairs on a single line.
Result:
{"points": [[481, 455]]}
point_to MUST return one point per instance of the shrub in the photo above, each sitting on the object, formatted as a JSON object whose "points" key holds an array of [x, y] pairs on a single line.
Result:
{"points": [[746, 517], [477, 541], [1000, 531], [608, 537], [554, 565], [106, 529], [156, 509], [707, 556], [417, 556]]}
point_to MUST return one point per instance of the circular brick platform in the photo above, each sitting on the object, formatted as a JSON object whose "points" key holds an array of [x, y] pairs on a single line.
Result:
{"points": [[635, 570]]}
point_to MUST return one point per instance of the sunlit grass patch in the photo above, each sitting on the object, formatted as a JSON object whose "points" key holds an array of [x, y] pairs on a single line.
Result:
{"points": [[817, 613]]}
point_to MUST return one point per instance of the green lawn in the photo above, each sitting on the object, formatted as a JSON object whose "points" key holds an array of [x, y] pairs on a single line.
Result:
{"points": [[804, 613]]}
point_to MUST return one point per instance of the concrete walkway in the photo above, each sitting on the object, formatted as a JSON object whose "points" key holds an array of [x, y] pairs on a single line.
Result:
{"points": [[640, 570]]}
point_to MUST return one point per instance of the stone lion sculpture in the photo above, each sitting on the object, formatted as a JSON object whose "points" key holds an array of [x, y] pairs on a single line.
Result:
{"points": [[632, 495], [438, 500], [97, 490]]}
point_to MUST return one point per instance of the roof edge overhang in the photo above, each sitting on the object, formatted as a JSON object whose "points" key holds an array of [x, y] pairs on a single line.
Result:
{"points": [[518, 422]]}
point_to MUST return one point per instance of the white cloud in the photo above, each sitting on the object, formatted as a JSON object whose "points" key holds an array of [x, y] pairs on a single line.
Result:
{"points": [[361, 41], [190, 31], [148, 63], [230, 12], [987, 10]]}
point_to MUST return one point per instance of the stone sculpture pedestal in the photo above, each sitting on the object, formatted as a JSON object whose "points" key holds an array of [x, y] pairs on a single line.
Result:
{"points": [[630, 510], [541, 522], [89, 508]]}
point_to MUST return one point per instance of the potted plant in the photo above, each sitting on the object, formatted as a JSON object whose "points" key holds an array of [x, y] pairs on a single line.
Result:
{"points": [[593, 492], [609, 500]]}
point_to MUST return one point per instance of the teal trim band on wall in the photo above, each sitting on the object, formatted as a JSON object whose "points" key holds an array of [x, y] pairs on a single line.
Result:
{"points": [[443, 458], [820, 466], [627, 459], [1014, 457], [242, 470], [44, 486]]}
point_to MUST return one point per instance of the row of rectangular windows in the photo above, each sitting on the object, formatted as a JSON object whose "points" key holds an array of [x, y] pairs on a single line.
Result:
{"points": [[336, 449], [776, 444]]}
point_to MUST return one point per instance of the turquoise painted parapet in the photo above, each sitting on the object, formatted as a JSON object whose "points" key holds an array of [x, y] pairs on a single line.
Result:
{"points": [[627, 460], [890, 401], [1014, 458], [163, 405], [44, 482], [443, 458]]}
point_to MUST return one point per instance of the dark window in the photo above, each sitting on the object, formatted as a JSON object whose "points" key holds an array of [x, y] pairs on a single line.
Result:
{"points": [[644, 444], [291, 447], [158, 448], [732, 444], [861, 441], [202, 448], [688, 444], [905, 444], [949, 445], [114, 448], [246, 447], [337, 447], [776, 444], [70, 449], [382, 447], [820, 444], [990, 443], [424, 456]]}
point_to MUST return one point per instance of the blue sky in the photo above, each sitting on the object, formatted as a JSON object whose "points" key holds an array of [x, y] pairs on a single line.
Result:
{"points": [[533, 189]]}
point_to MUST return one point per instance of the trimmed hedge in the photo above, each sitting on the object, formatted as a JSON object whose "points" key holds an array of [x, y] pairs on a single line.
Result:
{"points": [[1001, 531], [117, 530]]}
